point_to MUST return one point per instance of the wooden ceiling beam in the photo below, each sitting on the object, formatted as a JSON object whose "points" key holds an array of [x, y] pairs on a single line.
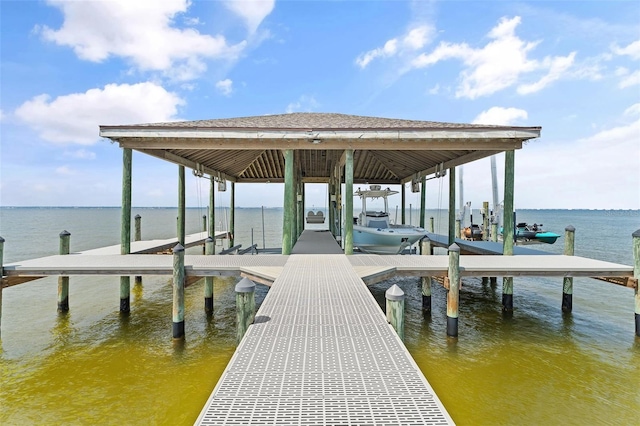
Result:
{"points": [[473, 156], [176, 159]]}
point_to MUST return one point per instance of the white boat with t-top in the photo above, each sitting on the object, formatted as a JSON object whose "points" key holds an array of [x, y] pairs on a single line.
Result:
{"points": [[374, 233]]}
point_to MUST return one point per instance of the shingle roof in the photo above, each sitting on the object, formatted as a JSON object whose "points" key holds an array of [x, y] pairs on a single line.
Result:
{"points": [[311, 121]]}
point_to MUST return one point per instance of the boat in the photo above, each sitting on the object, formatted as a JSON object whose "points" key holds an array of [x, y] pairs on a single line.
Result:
{"points": [[533, 234], [374, 233], [315, 217], [473, 232]]}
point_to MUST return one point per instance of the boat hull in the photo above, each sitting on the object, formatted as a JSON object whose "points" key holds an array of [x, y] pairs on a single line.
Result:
{"points": [[385, 241]]}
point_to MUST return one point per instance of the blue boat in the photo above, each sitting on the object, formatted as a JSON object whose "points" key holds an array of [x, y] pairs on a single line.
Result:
{"points": [[533, 234], [372, 230]]}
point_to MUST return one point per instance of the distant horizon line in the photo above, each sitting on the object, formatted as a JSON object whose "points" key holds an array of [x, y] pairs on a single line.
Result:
{"points": [[280, 208]]}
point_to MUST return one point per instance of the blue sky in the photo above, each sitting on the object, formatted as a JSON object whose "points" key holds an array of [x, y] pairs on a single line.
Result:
{"points": [[572, 67]]}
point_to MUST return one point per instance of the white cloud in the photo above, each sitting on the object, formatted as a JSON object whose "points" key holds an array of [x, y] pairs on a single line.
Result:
{"points": [[64, 171], [629, 80], [414, 39], [142, 32], [500, 116], [80, 154], [632, 50], [632, 110], [434, 90], [501, 63], [75, 118], [304, 103], [225, 87], [253, 12], [557, 66]]}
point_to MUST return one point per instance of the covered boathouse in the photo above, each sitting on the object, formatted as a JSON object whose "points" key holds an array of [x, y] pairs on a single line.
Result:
{"points": [[326, 148]]}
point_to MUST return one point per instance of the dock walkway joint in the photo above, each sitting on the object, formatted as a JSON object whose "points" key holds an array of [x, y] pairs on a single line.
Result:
{"points": [[321, 353]]}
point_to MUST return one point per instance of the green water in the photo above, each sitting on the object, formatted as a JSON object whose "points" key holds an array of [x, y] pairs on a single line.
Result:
{"points": [[94, 366]]}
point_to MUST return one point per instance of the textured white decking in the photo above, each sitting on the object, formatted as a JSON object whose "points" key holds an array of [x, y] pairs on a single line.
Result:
{"points": [[321, 353], [153, 246]]}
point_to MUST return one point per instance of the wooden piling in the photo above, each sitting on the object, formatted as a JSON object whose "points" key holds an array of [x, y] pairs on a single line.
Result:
{"points": [[453, 292], [403, 196], [508, 228], [1, 276], [138, 237], [181, 205], [452, 205], [63, 282], [209, 245], [494, 230], [485, 221], [178, 292], [125, 232], [289, 194], [245, 306], [423, 200], [432, 227], [348, 204], [395, 309], [636, 275], [232, 215], [567, 283], [458, 229], [425, 246]]}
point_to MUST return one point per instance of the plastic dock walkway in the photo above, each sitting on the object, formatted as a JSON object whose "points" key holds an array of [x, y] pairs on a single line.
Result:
{"points": [[321, 353], [481, 247]]}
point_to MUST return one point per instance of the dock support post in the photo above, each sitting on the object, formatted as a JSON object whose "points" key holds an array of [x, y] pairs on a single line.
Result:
{"points": [[138, 237], [232, 214], [494, 230], [1, 276], [452, 205], [212, 213], [330, 213], [178, 292], [245, 306], [567, 282], [63, 282], [508, 231], [432, 227], [403, 200], [425, 246], [181, 205], [209, 245], [485, 221], [348, 204], [458, 230], [289, 194], [453, 293], [636, 275], [423, 200], [395, 309], [125, 232]]}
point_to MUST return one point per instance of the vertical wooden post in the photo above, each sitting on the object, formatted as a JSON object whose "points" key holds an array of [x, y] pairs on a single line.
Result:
{"points": [[245, 306], [181, 205], [567, 283], [138, 228], [294, 221], [301, 209], [395, 309], [212, 213], [636, 275], [494, 230], [138, 237], [432, 227], [452, 205], [289, 194], [458, 229], [485, 221], [1, 277], [232, 214], [330, 213], [63, 282], [403, 201], [125, 232], [348, 202], [209, 245], [178, 292], [508, 231], [453, 293], [423, 200], [425, 245]]}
